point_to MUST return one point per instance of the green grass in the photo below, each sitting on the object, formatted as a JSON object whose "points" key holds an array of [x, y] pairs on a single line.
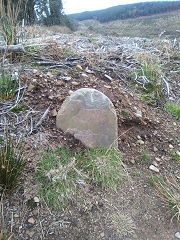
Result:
{"points": [[8, 87], [173, 108], [176, 157], [12, 163], [104, 167], [60, 173], [153, 180], [125, 113], [19, 108]]}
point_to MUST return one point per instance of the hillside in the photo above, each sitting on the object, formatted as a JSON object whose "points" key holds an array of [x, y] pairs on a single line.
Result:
{"points": [[127, 11], [147, 26]]}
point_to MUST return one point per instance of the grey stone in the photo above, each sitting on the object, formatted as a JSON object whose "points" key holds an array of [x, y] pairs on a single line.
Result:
{"points": [[141, 142], [90, 116], [153, 168], [177, 235]]}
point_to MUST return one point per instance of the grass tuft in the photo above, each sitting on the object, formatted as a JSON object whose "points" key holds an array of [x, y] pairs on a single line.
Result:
{"points": [[174, 109], [170, 193], [12, 162], [8, 87], [123, 224], [176, 157]]}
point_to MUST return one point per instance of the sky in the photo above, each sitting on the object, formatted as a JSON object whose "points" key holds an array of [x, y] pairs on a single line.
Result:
{"points": [[76, 6]]}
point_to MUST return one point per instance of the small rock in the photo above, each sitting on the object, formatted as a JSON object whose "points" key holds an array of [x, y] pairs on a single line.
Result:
{"points": [[31, 87], [102, 234], [157, 159], [155, 164], [171, 146], [153, 168], [75, 83], [70, 92], [84, 75], [36, 199], [35, 71], [59, 83], [78, 67], [138, 137], [155, 149], [51, 97], [49, 74], [31, 220], [138, 114], [37, 74], [132, 161], [89, 71], [16, 215], [174, 123], [177, 235], [66, 78], [141, 142], [29, 233], [53, 113]]}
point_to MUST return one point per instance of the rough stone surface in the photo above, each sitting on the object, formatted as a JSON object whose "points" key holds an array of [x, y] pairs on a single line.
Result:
{"points": [[90, 116]]}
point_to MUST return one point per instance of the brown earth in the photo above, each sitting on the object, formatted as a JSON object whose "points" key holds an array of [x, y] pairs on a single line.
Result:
{"points": [[136, 210]]}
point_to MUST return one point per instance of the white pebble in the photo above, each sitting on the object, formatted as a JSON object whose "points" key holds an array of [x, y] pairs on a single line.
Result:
{"points": [[153, 168], [177, 235]]}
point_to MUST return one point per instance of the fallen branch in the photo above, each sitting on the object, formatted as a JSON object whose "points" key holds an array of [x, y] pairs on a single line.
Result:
{"points": [[12, 48]]}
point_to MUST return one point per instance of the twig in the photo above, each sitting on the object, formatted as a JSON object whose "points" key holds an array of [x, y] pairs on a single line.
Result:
{"points": [[167, 85], [43, 117]]}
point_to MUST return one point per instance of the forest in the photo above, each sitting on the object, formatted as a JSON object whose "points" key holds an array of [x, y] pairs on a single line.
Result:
{"points": [[127, 11], [46, 12]]}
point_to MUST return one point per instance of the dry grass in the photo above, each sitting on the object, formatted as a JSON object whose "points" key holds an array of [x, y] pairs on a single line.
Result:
{"points": [[170, 193], [43, 31], [123, 224], [6, 232], [9, 21]]}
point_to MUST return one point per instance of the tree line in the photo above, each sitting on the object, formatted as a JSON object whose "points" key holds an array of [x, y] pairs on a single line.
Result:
{"points": [[48, 12], [127, 11]]}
